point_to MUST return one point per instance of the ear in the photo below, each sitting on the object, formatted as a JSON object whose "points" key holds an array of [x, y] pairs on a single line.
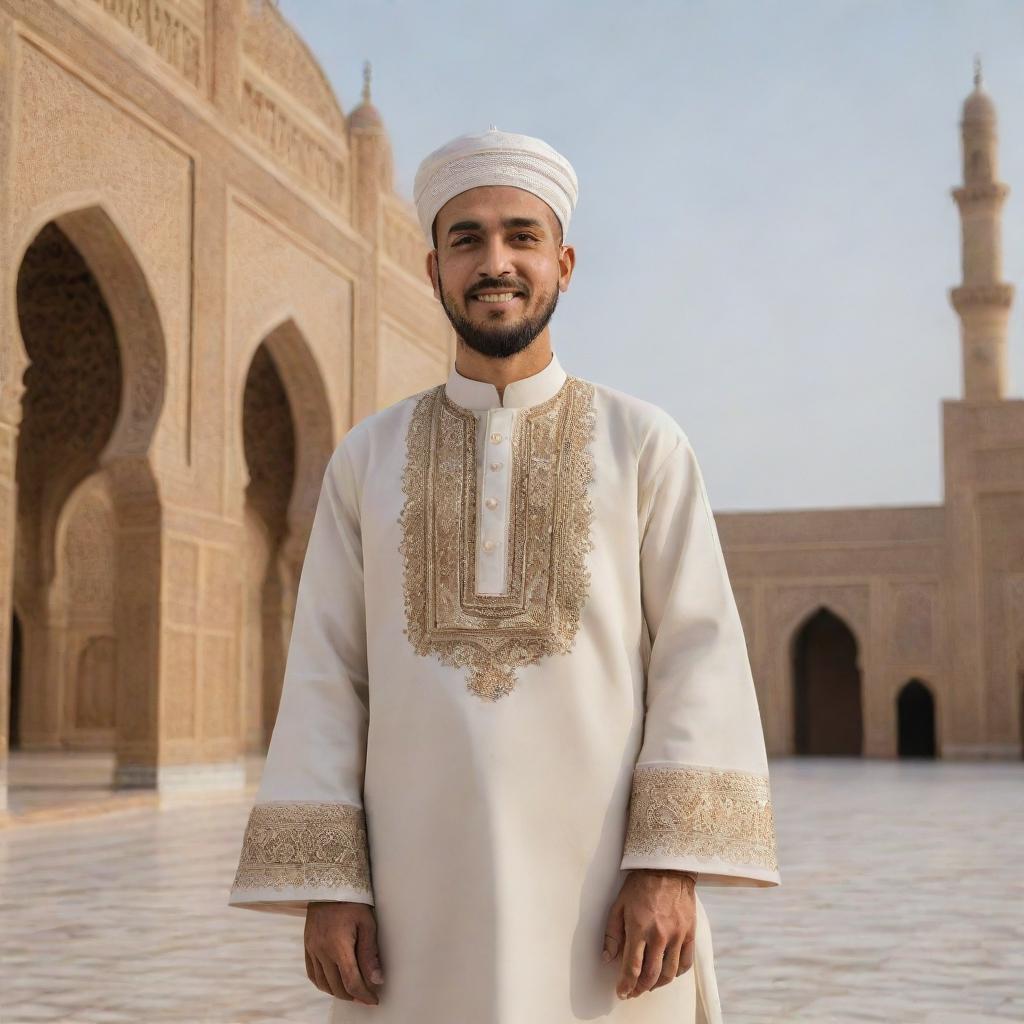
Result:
{"points": [[432, 272], [566, 264]]}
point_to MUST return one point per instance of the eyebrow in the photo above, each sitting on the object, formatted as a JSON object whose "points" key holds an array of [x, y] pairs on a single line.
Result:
{"points": [[510, 222]]}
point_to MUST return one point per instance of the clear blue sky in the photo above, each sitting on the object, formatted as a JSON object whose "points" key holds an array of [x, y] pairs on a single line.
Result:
{"points": [[765, 235]]}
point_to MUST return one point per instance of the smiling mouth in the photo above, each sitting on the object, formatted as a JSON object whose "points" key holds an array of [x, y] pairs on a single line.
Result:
{"points": [[499, 298]]}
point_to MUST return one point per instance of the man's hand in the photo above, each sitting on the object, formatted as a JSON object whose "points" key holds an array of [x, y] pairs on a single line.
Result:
{"points": [[341, 950], [652, 923]]}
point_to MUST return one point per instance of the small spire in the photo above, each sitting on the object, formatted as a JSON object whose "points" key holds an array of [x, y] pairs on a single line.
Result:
{"points": [[367, 72], [977, 71], [493, 128]]}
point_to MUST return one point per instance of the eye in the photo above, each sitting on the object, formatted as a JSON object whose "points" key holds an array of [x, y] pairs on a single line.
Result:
{"points": [[523, 234]]}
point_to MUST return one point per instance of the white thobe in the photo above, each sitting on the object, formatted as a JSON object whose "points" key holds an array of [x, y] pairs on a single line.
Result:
{"points": [[516, 671]]}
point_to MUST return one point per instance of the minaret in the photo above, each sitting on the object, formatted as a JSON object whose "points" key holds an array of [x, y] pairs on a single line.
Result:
{"points": [[983, 299], [372, 161]]}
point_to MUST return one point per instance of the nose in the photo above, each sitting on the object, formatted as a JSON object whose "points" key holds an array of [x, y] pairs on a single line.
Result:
{"points": [[495, 259]]}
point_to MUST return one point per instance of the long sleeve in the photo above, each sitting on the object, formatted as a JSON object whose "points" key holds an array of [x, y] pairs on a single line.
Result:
{"points": [[700, 798], [306, 837]]}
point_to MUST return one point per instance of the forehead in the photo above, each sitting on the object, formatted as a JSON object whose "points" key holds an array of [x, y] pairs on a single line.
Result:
{"points": [[491, 204]]}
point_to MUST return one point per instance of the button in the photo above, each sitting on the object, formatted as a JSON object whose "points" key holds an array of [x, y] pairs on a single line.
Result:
{"points": [[497, 465], [489, 545], [495, 438], [491, 502]]}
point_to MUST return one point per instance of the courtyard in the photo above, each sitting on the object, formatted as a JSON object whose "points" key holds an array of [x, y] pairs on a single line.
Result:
{"points": [[902, 900]]}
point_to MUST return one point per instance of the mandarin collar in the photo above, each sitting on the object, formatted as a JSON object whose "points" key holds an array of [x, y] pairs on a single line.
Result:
{"points": [[527, 391]]}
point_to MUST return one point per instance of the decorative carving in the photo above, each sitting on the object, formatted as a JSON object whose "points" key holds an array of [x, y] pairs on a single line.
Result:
{"points": [[73, 383], [292, 145], [272, 45], [160, 25]]}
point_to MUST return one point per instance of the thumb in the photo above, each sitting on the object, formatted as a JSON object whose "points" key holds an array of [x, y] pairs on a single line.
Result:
{"points": [[614, 933], [367, 954]]}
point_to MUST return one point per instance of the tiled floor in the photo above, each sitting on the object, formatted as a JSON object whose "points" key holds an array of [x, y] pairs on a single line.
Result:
{"points": [[902, 901]]}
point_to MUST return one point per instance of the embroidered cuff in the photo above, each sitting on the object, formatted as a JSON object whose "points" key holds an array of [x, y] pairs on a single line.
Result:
{"points": [[713, 821], [297, 851]]}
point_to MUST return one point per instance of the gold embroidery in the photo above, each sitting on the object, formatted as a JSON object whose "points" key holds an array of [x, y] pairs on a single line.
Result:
{"points": [[701, 812], [304, 844], [549, 536]]}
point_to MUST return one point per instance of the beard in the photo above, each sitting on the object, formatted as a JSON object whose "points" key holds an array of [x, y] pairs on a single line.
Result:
{"points": [[497, 340]]}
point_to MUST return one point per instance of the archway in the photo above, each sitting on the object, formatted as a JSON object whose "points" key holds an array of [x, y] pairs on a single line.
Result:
{"points": [[915, 716], [287, 440], [827, 688], [92, 383]]}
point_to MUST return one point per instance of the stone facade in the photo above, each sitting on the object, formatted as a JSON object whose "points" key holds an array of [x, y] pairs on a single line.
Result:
{"points": [[208, 278]]}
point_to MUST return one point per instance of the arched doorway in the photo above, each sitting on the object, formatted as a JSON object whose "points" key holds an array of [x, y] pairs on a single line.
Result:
{"points": [[827, 689], [915, 716], [287, 440], [70, 405], [91, 376]]}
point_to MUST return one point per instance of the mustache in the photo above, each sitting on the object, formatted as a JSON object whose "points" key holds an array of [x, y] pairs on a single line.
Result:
{"points": [[494, 284]]}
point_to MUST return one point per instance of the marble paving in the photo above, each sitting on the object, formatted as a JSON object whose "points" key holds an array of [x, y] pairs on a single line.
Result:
{"points": [[902, 901]]}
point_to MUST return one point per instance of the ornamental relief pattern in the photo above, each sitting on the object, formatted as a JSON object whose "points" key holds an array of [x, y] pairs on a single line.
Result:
{"points": [[273, 46], [305, 845], [281, 135], [550, 523], [159, 24], [697, 811]]}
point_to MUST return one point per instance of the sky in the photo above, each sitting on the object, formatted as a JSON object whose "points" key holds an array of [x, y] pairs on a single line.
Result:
{"points": [[765, 236]]}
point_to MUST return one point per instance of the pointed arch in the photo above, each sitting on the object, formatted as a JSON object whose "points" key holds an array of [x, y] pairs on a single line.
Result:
{"points": [[93, 356], [287, 439], [827, 699], [915, 720]]}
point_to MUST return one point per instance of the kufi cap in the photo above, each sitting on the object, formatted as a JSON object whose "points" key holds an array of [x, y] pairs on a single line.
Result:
{"points": [[494, 157]]}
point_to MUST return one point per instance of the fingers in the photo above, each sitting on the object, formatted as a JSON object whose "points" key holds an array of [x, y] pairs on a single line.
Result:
{"points": [[341, 950], [614, 934], [632, 961], [670, 963], [654, 955], [367, 954], [322, 982], [686, 956], [351, 976], [334, 983]]}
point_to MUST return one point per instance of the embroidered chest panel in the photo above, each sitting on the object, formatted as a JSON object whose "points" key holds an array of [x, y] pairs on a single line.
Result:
{"points": [[548, 535]]}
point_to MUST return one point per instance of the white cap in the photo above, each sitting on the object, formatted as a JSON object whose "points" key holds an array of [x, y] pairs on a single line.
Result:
{"points": [[494, 157]]}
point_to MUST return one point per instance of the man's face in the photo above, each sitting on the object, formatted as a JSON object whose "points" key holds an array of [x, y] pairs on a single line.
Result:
{"points": [[499, 267]]}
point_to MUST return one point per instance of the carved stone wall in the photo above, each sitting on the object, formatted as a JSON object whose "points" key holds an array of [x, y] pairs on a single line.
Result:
{"points": [[198, 223], [172, 29], [272, 45], [86, 585]]}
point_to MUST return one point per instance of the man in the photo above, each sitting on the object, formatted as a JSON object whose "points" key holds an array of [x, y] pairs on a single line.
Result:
{"points": [[518, 721]]}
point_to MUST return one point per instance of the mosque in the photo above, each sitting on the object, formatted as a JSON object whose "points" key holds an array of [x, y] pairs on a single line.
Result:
{"points": [[208, 278]]}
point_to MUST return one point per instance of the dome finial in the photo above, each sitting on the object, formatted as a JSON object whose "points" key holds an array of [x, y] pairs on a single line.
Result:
{"points": [[977, 71], [367, 72]]}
